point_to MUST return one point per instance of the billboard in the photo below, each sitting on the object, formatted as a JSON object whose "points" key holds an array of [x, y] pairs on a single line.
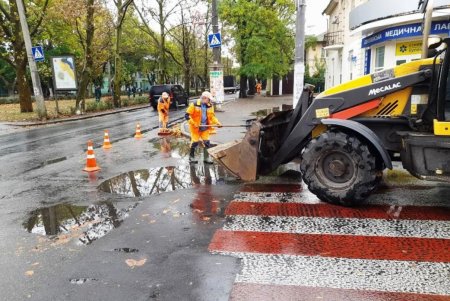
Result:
{"points": [[216, 83], [64, 75]]}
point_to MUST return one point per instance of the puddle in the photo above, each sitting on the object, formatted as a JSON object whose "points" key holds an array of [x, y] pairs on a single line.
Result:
{"points": [[64, 222], [48, 162], [147, 182], [171, 146]]}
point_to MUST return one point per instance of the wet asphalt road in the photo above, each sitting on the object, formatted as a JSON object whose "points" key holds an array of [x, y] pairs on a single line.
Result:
{"points": [[149, 250], [149, 226]]}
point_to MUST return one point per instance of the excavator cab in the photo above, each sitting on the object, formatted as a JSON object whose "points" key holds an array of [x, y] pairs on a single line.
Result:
{"points": [[347, 135]]}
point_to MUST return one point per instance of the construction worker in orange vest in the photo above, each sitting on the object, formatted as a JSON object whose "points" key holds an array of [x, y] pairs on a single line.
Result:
{"points": [[258, 88], [163, 111], [200, 114]]}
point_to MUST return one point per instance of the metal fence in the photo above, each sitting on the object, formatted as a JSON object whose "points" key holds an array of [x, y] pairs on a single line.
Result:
{"points": [[334, 38]]}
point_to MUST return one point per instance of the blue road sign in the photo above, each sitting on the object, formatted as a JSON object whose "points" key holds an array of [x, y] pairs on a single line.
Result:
{"points": [[215, 40], [38, 53]]}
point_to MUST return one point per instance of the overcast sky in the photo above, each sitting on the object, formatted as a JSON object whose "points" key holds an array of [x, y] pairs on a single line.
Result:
{"points": [[315, 22]]}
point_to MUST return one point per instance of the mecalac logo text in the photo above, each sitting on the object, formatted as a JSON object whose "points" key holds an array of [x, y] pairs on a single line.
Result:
{"points": [[385, 89]]}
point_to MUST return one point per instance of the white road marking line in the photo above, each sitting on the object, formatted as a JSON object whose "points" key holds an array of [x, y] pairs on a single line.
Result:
{"points": [[360, 274], [339, 226], [277, 197]]}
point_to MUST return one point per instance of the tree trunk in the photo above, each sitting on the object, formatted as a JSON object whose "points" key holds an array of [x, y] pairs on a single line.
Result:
{"points": [[243, 84], [88, 59], [20, 61], [162, 73], [187, 79], [205, 67], [23, 86], [117, 58], [251, 85]]}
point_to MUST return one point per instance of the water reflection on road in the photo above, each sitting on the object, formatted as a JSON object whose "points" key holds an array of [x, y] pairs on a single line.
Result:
{"points": [[146, 182], [86, 223]]}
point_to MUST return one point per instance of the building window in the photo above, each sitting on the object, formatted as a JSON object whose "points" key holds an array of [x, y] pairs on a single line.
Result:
{"points": [[379, 58]]}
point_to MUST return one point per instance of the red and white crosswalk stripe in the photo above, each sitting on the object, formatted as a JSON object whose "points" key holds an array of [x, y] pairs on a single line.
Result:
{"points": [[294, 247]]}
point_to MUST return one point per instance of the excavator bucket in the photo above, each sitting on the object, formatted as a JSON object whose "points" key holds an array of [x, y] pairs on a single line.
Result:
{"points": [[243, 157], [240, 157]]}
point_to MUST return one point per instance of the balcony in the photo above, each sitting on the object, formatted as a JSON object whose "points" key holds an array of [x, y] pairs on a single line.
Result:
{"points": [[334, 38]]}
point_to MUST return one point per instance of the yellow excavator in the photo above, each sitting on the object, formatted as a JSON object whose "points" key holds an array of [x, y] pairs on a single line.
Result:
{"points": [[347, 135]]}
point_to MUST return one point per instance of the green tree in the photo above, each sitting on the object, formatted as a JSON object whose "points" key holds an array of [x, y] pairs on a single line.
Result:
{"points": [[264, 42], [12, 43], [7, 77], [83, 29], [121, 11], [184, 38], [137, 49], [161, 15], [318, 77]]}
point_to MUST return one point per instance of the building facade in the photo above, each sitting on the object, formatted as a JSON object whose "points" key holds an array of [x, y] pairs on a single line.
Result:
{"points": [[376, 34], [314, 54], [342, 50], [391, 31]]}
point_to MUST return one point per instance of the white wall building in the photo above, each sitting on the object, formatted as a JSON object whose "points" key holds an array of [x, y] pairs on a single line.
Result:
{"points": [[391, 30], [343, 51], [365, 36]]}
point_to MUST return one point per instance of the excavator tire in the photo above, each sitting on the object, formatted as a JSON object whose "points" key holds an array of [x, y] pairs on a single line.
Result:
{"points": [[339, 168]]}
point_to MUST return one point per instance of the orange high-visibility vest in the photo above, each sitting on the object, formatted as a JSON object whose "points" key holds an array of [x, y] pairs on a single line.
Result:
{"points": [[195, 113]]}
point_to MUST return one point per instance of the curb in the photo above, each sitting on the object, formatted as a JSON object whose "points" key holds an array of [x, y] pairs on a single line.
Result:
{"points": [[80, 117]]}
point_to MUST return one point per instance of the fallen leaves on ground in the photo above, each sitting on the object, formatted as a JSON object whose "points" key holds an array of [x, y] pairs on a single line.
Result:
{"points": [[132, 263], [29, 273]]}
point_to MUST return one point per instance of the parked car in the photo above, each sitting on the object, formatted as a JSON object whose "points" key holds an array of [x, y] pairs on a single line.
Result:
{"points": [[178, 96], [229, 84]]}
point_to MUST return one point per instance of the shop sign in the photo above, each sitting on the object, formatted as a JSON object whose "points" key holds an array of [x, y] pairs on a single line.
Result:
{"points": [[408, 48], [404, 31]]}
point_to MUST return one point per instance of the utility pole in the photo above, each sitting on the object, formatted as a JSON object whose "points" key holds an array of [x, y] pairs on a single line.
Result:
{"points": [[37, 89], [428, 17], [216, 74], [215, 28], [299, 67]]}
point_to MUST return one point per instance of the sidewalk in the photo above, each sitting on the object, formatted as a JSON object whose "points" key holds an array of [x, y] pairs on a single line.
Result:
{"points": [[77, 117], [237, 112]]}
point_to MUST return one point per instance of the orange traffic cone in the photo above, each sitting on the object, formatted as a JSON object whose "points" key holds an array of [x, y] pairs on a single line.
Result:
{"points": [[138, 134], [106, 142], [91, 163]]}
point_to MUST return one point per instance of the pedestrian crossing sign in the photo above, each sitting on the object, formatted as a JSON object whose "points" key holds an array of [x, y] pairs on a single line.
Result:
{"points": [[38, 53], [215, 40]]}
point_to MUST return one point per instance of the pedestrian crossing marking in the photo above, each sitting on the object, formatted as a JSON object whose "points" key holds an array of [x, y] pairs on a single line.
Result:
{"points": [[38, 54], [215, 41], [288, 239]]}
